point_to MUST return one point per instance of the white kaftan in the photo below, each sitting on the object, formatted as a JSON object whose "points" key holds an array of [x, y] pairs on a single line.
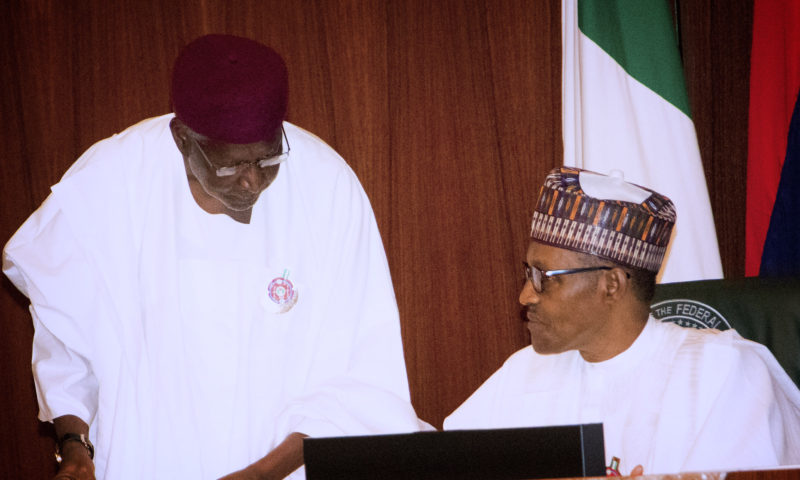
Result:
{"points": [[677, 400], [155, 325]]}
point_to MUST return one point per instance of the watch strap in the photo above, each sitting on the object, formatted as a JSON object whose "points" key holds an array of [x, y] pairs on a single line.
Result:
{"points": [[74, 437]]}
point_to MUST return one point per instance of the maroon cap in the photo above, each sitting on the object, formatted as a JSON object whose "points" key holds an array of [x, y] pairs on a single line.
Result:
{"points": [[230, 89]]}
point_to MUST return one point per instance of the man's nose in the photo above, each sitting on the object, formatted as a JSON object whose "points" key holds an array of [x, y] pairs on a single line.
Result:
{"points": [[252, 178], [528, 295]]}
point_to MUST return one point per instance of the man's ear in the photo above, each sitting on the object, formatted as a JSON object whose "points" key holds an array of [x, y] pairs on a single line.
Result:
{"points": [[181, 135], [617, 284]]}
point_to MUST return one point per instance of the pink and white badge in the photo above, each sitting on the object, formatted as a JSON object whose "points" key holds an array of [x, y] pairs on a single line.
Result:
{"points": [[281, 294]]}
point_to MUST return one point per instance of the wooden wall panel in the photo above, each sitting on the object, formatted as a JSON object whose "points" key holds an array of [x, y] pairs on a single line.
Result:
{"points": [[715, 39], [460, 205], [448, 111], [355, 37]]}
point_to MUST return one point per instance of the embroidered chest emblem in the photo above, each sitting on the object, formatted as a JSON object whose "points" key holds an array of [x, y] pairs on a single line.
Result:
{"points": [[281, 292]]}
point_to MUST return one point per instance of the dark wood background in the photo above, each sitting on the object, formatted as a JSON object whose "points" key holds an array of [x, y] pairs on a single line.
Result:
{"points": [[448, 111]]}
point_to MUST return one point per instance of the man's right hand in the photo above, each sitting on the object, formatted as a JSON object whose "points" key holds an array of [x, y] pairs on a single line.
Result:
{"points": [[75, 463]]}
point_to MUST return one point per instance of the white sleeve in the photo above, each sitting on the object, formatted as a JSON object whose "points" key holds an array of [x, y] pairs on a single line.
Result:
{"points": [[43, 260], [63, 378], [754, 423], [478, 410], [359, 384]]}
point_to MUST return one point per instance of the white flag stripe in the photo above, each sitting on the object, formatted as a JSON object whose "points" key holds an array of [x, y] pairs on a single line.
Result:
{"points": [[613, 121]]}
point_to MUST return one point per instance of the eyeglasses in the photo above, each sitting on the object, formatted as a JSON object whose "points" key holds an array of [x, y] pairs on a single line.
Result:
{"points": [[269, 161], [537, 276]]}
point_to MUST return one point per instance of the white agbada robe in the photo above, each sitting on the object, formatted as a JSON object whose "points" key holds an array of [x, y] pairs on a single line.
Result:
{"points": [[153, 321], [678, 400]]}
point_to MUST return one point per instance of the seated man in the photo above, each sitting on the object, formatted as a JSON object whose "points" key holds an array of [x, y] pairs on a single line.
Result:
{"points": [[671, 399]]}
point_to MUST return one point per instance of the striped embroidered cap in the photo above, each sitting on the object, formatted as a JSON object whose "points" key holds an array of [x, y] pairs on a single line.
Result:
{"points": [[605, 216]]}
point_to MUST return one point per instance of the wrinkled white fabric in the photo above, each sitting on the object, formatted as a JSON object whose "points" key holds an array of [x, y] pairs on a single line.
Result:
{"points": [[154, 324], [678, 400]]}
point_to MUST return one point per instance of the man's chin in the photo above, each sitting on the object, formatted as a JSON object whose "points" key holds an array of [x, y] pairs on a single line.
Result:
{"points": [[240, 205], [543, 348]]}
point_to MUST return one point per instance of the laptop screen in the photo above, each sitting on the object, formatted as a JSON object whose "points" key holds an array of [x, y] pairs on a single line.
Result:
{"points": [[513, 453]]}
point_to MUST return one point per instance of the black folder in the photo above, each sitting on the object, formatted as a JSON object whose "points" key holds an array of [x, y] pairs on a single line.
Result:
{"points": [[512, 453]]}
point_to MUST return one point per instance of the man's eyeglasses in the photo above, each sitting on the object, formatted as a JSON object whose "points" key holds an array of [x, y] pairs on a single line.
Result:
{"points": [[537, 276], [265, 162]]}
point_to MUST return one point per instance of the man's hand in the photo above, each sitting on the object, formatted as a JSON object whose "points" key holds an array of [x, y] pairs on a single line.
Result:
{"points": [[279, 463], [248, 473], [75, 463]]}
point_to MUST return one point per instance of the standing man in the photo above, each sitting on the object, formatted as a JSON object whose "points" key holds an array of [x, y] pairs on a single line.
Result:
{"points": [[209, 287], [671, 399]]}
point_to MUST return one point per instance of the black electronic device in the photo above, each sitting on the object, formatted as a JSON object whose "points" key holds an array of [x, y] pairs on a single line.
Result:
{"points": [[509, 453]]}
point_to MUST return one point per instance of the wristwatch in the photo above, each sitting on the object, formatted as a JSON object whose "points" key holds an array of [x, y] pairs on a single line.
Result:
{"points": [[74, 437]]}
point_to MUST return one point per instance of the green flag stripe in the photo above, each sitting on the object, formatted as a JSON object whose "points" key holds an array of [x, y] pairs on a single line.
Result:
{"points": [[638, 35]]}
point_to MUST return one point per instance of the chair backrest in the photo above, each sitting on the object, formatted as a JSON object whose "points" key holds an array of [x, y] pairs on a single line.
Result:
{"points": [[765, 310]]}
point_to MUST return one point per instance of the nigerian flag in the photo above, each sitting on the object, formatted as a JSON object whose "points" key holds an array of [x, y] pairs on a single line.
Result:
{"points": [[625, 108]]}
